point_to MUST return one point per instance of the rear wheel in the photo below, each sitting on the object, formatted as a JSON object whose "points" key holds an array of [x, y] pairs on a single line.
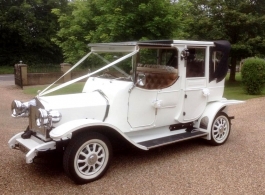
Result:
{"points": [[87, 157], [220, 129]]}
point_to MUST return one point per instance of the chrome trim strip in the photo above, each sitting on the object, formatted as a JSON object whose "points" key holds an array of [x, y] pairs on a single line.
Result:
{"points": [[107, 101]]}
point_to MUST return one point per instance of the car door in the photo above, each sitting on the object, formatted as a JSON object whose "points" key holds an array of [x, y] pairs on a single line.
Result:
{"points": [[195, 92], [149, 102], [141, 113]]}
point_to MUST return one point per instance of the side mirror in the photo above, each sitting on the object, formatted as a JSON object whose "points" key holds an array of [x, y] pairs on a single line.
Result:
{"points": [[184, 54], [141, 80]]}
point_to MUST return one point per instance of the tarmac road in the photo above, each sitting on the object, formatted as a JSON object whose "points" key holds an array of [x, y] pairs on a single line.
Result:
{"points": [[7, 77], [192, 167]]}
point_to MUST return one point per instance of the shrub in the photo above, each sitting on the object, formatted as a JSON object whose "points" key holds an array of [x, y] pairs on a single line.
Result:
{"points": [[253, 75]]}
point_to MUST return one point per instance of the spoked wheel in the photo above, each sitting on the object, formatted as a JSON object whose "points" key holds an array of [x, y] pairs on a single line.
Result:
{"points": [[220, 129], [87, 157]]}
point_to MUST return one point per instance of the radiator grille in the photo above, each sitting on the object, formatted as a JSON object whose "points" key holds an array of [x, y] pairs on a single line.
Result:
{"points": [[41, 132]]}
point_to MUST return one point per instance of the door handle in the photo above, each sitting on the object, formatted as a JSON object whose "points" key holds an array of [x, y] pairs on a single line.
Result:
{"points": [[206, 92], [157, 103]]}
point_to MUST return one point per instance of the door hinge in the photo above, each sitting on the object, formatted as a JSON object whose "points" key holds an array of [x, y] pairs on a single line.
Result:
{"points": [[185, 96]]}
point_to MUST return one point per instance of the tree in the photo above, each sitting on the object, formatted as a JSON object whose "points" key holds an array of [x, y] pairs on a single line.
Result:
{"points": [[26, 27], [242, 22], [114, 20], [75, 24]]}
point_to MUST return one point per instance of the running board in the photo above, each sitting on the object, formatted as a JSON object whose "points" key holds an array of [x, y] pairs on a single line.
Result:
{"points": [[173, 139]]}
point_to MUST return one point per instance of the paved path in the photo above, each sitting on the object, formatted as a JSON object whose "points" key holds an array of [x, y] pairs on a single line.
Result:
{"points": [[194, 167], [6, 77]]}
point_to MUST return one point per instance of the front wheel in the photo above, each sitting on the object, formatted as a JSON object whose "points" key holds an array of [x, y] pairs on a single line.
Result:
{"points": [[87, 157], [220, 129]]}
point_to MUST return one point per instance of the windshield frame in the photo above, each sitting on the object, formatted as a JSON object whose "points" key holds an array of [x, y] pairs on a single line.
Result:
{"points": [[129, 51]]}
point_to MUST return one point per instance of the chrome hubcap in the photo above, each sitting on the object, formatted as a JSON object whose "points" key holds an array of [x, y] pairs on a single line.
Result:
{"points": [[220, 129], [90, 159]]}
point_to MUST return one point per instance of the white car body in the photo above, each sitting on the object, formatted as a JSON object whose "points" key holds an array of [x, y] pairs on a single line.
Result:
{"points": [[141, 113]]}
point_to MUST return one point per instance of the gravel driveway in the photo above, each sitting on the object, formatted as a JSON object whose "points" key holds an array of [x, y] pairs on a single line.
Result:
{"points": [[192, 167]]}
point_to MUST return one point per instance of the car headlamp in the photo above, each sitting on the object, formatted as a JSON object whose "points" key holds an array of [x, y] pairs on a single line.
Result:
{"points": [[55, 116], [47, 118], [42, 117], [20, 109]]}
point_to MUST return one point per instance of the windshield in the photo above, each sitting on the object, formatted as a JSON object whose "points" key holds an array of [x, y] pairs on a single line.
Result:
{"points": [[121, 70], [109, 65], [117, 63]]}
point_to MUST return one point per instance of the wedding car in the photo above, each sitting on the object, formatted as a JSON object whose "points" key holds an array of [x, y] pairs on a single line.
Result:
{"points": [[145, 93]]}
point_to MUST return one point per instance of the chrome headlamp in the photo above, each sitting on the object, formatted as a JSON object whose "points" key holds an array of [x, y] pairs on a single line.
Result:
{"points": [[20, 109], [47, 118]]}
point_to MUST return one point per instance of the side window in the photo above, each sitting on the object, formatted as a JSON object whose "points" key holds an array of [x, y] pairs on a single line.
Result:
{"points": [[162, 57], [215, 59], [159, 67], [169, 57], [196, 63]]}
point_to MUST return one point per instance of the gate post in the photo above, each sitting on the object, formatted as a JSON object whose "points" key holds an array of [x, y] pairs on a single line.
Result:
{"points": [[64, 68], [24, 74], [20, 73]]}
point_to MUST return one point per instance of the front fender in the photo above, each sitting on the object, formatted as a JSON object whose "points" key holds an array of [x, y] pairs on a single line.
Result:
{"points": [[65, 130], [211, 111]]}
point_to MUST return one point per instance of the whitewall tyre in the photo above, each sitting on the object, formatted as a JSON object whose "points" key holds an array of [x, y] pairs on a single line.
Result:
{"points": [[87, 157], [220, 130]]}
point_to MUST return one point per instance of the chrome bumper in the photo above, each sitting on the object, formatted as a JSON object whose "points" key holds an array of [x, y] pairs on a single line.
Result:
{"points": [[31, 146]]}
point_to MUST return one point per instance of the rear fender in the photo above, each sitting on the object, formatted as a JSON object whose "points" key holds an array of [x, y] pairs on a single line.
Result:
{"points": [[65, 130], [211, 110]]}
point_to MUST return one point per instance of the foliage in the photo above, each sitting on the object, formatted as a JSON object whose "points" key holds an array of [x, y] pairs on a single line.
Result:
{"points": [[44, 68], [6, 70], [26, 27], [253, 75], [114, 20], [235, 90], [74, 24], [242, 22]]}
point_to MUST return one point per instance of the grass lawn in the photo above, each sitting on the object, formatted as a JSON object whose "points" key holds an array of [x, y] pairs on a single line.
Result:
{"points": [[74, 88], [6, 70], [233, 90]]}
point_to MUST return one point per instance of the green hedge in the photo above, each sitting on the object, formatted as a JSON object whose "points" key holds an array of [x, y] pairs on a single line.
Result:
{"points": [[253, 75]]}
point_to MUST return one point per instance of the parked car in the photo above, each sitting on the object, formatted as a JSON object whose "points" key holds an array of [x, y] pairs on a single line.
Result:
{"points": [[147, 93]]}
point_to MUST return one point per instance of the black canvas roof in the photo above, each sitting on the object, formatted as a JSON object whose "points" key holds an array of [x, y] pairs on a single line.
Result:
{"points": [[221, 71]]}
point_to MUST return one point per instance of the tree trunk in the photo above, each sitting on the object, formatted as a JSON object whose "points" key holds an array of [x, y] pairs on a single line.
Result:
{"points": [[232, 76]]}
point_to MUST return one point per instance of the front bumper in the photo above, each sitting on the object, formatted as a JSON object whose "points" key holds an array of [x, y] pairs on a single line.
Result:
{"points": [[31, 147]]}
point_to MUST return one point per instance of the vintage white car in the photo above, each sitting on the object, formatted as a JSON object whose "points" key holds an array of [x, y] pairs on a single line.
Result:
{"points": [[147, 93]]}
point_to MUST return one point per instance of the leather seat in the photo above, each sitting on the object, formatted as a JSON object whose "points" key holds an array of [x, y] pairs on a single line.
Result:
{"points": [[158, 78]]}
